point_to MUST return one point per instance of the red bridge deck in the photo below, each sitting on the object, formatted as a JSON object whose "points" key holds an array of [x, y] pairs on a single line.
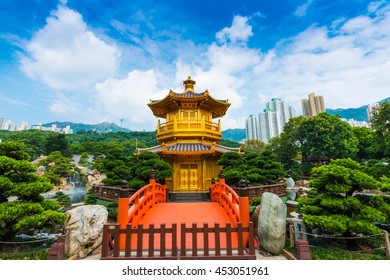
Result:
{"points": [[188, 213]]}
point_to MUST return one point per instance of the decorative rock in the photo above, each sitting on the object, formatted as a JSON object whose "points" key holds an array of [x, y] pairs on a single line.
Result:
{"points": [[84, 229], [272, 223]]}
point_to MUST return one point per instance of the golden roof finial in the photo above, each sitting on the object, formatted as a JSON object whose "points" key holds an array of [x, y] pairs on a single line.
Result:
{"points": [[189, 84]]}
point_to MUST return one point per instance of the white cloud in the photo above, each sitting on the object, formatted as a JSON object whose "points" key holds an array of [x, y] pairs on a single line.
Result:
{"points": [[127, 98], [240, 31], [349, 66], [348, 63], [64, 54], [64, 107], [301, 10]]}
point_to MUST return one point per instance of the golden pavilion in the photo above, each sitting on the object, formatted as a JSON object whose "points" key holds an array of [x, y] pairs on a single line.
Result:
{"points": [[189, 137]]}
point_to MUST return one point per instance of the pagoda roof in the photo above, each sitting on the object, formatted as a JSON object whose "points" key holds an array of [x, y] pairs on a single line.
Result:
{"points": [[202, 100], [190, 148]]}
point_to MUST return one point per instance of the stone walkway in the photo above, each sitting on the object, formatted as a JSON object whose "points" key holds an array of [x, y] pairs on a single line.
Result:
{"points": [[258, 257]]}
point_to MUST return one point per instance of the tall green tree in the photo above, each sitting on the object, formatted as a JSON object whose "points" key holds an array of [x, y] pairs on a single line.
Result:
{"points": [[57, 142], [327, 136], [381, 124], [28, 210], [254, 146], [368, 143], [334, 207]]}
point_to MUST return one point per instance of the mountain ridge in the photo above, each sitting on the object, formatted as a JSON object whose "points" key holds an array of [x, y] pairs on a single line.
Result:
{"points": [[358, 114]]}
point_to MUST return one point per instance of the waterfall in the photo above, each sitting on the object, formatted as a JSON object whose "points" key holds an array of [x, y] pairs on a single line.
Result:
{"points": [[78, 190]]}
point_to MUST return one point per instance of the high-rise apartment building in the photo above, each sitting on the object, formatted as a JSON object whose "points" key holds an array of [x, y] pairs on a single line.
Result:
{"points": [[252, 127], [270, 122], [313, 105]]}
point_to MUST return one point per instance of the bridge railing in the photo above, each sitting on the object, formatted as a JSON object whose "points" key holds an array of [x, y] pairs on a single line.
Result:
{"points": [[111, 194], [131, 210], [257, 191], [170, 242], [237, 207]]}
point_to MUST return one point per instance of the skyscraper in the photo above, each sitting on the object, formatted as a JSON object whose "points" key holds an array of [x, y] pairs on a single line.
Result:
{"points": [[313, 105], [270, 122], [252, 127]]}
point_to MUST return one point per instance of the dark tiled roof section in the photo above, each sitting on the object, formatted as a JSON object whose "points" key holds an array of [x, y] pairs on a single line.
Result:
{"points": [[155, 149], [189, 94], [223, 149], [188, 147]]}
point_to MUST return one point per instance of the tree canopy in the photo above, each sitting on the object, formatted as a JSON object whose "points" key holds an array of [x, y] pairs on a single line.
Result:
{"points": [[118, 167], [254, 168], [335, 205], [381, 125], [28, 209]]}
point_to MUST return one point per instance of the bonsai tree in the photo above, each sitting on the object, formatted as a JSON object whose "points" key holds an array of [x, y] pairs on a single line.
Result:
{"points": [[334, 207], [29, 209]]}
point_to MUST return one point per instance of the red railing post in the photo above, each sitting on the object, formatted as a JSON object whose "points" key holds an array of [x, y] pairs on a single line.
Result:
{"points": [[243, 204], [123, 208]]}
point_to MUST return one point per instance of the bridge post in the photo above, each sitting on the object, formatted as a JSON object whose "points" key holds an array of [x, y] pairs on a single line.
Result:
{"points": [[123, 208], [243, 204], [221, 177], [211, 189]]}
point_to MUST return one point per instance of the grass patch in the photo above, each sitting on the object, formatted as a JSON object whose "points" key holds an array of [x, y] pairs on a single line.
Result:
{"points": [[31, 251], [324, 249]]}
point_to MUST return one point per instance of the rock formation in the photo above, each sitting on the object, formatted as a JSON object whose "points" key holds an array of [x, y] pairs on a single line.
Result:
{"points": [[272, 223], [84, 229]]}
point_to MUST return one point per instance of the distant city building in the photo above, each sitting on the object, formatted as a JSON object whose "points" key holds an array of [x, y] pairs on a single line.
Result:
{"points": [[270, 122], [8, 125], [355, 123], [313, 105], [370, 110], [252, 127]]}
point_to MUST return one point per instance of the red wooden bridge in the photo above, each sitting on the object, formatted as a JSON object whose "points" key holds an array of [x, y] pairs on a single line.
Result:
{"points": [[150, 228]]}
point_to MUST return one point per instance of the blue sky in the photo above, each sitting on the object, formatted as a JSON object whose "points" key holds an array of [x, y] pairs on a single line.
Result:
{"points": [[101, 60]]}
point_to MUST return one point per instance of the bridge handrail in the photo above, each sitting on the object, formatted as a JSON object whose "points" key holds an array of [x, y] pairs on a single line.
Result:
{"points": [[131, 210], [228, 199]]}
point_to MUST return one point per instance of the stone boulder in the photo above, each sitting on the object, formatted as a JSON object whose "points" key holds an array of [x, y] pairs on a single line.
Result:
{"points": [[272, 223], [84, 229]]}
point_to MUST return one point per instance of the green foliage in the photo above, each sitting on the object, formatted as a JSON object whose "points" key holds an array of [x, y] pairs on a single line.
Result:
{"points": [[84, 160], [136, 170], [368, 143], [381, 125], [57, 142], [32, 139], [254, 168], [229, 143], [327, 136], [385, 184], [255, 201], [57, 164], [63, 199], [287, 146], [335, 209], [376, 168], [253, 146], [29, 210], [91, 198]]}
